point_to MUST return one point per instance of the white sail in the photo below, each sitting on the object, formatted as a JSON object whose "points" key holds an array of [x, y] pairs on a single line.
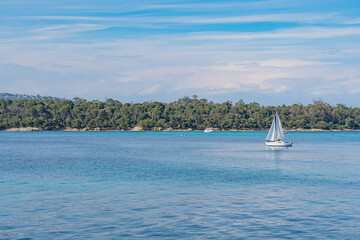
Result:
{"points": [[280, 132], [271, 134], [276, 131]]}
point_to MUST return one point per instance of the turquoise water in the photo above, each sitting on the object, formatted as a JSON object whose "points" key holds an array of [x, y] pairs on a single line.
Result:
{"points": [[219, 185]]}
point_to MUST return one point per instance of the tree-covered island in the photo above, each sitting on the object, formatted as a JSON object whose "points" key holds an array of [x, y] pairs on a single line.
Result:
{"points": [[185, 113]]}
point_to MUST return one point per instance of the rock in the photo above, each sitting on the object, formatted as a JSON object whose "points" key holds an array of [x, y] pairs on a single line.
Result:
{"points": [[137, 129], [69, 129]]}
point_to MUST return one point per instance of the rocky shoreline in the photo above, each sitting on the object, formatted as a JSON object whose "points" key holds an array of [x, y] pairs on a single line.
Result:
{"points": [[159, 129]]}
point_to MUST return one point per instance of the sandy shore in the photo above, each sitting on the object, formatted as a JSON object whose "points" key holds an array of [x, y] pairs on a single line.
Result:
{"points": [[23, 129], [157, 129]]}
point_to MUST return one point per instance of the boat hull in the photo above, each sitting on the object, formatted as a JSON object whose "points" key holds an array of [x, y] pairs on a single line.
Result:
{"points": [[278, 144]]}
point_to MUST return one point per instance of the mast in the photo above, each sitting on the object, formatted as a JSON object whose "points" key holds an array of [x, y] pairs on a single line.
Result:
{"points": [[275, 119]]}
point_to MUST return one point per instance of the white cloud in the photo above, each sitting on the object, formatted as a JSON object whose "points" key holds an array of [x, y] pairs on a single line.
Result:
{"points": [[151, 68], [262, 76]]}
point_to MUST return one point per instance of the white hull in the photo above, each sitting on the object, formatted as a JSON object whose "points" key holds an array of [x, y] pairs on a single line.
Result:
{"points": [[278, 144], [208, 130]]}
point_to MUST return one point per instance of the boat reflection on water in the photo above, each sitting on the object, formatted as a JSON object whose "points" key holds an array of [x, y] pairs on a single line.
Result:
{"points": [[277, 153], [277, 148]]}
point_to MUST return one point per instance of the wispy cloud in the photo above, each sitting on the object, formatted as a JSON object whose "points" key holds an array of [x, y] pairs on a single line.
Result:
{"points": [[300, 32], [285, 17], [70, 28], [216, 5], [150, 90], [55, 32], [70, 18], [292, 63], [353, 21]]}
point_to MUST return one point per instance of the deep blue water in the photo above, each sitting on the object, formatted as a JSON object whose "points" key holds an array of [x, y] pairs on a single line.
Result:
{"points": [[219, 185]]}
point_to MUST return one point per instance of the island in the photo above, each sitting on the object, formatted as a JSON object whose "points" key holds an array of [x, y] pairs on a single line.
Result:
{"points": [[185, 114]]}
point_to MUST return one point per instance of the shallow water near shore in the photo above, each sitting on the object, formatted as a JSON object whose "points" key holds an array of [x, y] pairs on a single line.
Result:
{"points": [[219, 185]]}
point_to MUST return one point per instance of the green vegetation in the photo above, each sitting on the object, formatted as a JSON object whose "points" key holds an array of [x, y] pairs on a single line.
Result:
{"points": [[52, 114]]}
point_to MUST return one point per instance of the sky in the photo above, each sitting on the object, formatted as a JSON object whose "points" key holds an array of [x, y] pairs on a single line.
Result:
{"points": [[272, 52]]}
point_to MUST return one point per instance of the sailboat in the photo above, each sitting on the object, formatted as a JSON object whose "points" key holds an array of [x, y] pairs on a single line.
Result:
{"points": [[275, 136], [207, 130]]}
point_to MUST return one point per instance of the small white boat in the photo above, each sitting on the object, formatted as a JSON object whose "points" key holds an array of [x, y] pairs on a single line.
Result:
{"points": [[275, 137], [207, 130]]}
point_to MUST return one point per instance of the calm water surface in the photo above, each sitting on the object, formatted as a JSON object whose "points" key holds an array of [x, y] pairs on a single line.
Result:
{"points": [[219, 185]]}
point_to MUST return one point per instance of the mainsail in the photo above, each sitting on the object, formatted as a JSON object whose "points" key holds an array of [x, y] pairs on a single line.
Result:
{"points": [[276, 131]]}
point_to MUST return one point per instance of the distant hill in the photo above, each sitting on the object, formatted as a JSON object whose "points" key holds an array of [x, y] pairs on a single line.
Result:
{"points": [[18, 96], [24, 96]]}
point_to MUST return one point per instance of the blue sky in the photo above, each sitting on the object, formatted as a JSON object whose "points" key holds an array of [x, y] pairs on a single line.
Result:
{"points": [[268, 51]]}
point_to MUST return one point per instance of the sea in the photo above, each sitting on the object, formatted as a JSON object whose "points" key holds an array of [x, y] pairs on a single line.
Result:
{"points": [[162, 185]]}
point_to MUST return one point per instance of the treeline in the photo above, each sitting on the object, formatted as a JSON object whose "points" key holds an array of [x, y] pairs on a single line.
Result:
{"points": [[194, 113], [12, 96]]}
